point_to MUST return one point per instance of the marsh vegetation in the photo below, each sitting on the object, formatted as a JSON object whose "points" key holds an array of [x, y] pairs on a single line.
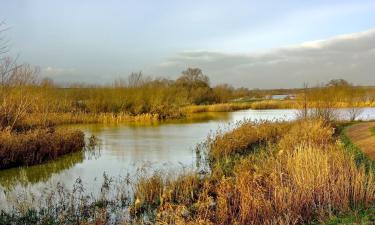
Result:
{"points": [[259, 173]]}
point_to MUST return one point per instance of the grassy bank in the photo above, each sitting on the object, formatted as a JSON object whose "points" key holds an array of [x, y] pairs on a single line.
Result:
{"points": [[233, 106], [37, 146], [372, 130], [269, 174], [259, 173]]}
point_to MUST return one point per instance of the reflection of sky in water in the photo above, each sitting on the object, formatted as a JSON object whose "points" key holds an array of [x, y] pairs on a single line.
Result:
{"points": [[124, 148]]}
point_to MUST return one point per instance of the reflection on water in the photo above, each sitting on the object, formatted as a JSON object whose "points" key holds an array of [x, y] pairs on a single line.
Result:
{"points": [[123, 148], [38, 173]]}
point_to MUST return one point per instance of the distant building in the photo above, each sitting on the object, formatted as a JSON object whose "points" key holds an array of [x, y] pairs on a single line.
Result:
{"points": [[283, 97]]}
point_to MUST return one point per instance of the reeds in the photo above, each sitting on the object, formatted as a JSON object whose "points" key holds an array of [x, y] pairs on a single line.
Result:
{"points": [[302, 175], [36, 146], [243, 138], [233, 106], [223, 107], [85, 118]]}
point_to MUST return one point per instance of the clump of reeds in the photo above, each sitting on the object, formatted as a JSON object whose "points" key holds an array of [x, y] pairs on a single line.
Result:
{"points": [[243, 138], [223, 107], [37, 145], [275, 104]]}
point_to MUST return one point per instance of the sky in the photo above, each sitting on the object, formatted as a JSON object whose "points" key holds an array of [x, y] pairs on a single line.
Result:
{"points": [[253, 44]]}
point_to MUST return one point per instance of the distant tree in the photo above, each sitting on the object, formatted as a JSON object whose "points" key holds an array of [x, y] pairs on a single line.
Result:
{"points": [[3, 40], [193, 77], [15, 96], [47, 82], [197, 86], [338, 83]]}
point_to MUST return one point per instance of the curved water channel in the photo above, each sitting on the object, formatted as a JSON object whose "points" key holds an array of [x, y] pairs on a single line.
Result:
{"points": [[124, 148]]}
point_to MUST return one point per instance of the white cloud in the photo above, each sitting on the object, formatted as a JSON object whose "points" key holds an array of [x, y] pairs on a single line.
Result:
{"points": [[349, 56], [50, 71]]}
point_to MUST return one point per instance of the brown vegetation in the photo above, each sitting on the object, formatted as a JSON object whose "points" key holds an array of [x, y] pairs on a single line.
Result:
{"points": [[36, 146], [301, 175]]}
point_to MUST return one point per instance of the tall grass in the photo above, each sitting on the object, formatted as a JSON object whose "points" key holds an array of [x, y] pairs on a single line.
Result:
{"points": [[75, 118], [302, 175], [233, 106], [36, 146]]}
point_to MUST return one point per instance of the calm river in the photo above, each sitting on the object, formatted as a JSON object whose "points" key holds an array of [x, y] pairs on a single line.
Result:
{"points": [[123, 148]]}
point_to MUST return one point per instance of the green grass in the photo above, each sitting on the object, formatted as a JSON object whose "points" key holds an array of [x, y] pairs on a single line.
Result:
{"points": [[356, 217], [359, 156], [372, 129]]}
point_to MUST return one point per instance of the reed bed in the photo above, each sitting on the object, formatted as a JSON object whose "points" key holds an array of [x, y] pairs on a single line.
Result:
{"points": [[223, 107], [86, 118], [268, 104], [232, 106], [36, 146], [302, 175], [275, 104]]}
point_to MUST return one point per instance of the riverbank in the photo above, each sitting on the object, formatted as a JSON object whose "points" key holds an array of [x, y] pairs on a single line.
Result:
{"points": [[37, 146], [259, 173], [34, 120], [361, 135]]}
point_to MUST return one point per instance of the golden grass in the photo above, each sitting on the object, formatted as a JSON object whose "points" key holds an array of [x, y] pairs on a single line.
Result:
{"points": [[233, 106], [296, 187], [275, 104], [36, 146], [302, 175], [244, 137], [75, 118], [265, 104], [223, 107]]}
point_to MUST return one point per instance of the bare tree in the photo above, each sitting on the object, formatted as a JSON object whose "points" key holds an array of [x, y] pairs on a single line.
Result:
{"points": [[7, 67], [354, 112], [16, 99], [135, 79], [354, 97], [193, 77], [3, 41], [304, 109]]}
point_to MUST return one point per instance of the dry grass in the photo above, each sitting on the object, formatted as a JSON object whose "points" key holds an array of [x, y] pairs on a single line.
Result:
{"points": [[75, 118], [243, 138], [302, 175], [36, 146], [223, 107], [304, 184], [275, 104], [229, 107]]}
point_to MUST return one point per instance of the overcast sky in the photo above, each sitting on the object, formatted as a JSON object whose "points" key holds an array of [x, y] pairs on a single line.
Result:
{"points": [[255, 44]]}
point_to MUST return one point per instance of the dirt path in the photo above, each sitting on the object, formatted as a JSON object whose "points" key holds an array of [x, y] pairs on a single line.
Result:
{"points": [[361, 135]]}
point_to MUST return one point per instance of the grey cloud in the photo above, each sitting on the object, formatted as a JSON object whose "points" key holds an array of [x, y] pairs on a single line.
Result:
{"points": [[350, 56]]}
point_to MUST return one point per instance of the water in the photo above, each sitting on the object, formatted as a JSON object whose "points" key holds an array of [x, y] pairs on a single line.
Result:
{"points": [[124, 148]]}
